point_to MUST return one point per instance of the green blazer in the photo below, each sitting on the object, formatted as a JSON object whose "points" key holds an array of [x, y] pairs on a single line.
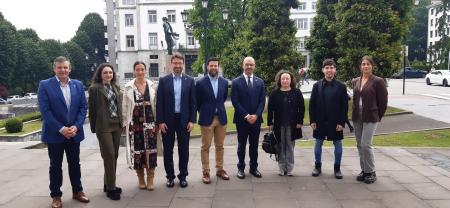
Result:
{"points": [[99, 115]]}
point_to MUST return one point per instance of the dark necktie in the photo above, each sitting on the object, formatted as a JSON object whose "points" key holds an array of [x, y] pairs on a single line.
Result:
{"points": [[249, 83]]}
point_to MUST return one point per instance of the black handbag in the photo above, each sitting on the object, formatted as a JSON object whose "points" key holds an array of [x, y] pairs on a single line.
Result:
{"points": [[270, 143]]}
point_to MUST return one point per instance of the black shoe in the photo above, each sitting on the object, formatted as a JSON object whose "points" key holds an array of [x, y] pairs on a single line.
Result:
{"points": [[337, 172], [113, 195], [371, 178], [361, 176], [317, 170], [256, 173], [183, 183], [170, 183], [351, 130], [118, 189], [241, 174]]}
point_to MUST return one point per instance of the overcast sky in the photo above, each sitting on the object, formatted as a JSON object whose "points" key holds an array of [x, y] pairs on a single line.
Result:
{"points": [[55, 19]]}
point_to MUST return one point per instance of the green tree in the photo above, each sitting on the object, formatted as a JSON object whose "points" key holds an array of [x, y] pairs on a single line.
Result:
{"points": [[8, 52], [268, 36], [377, 28], [94, 26], [53, 49], [23, 66], [322, 42], [417, 40], [441, 49], [29, 34], [80, 69]]}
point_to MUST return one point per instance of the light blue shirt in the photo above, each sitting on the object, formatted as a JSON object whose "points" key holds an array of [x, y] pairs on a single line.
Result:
{"points": [[214, 83], [177, 91], [65, 88]]}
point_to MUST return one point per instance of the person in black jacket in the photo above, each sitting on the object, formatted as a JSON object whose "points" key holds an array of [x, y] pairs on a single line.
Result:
{"points": [[286, 110], [328, 109]]}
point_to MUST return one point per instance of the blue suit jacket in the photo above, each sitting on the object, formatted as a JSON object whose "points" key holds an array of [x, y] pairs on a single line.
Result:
{"points": [[165, 101], [247, 100], [54, 109], [207, 103]]}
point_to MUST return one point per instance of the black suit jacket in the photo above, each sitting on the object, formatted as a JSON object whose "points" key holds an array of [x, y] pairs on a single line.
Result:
{"points": [[165, 101], [326, 123], [247, 100]]}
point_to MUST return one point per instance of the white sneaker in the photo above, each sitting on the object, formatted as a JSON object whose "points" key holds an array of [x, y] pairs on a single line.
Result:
{"points": [[289, 174], [281, 173]]}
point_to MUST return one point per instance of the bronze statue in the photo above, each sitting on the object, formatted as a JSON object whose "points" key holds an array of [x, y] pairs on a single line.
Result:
{"points": [[169, 35]]}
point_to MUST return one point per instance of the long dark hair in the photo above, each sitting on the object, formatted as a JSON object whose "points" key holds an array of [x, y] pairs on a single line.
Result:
{"points": [[278, 78], [97, 77]]}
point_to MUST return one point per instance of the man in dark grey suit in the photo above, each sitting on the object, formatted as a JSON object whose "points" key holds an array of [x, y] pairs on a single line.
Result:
{"points": [[248, 98]]}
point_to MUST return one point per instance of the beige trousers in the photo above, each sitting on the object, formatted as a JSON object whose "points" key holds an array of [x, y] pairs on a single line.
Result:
{"points": [[216, 131]]}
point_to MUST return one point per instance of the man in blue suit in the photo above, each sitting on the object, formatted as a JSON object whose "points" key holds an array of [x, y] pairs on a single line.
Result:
{"points": [[248, 98], [63, 107], [176, 114], [212, 92]]}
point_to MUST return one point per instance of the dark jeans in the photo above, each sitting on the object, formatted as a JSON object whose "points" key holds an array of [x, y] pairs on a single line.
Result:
{"points": [[337, 151], [56, 153], [183, 149], [251, 132]]}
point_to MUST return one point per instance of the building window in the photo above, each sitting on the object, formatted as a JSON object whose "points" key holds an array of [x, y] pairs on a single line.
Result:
{"points": [[130, 40], [128, 75], [171, 15], [128, 2], [302, 6], [129, 20], [435, 33], [153, 40], [301, 43], [448, 31], [152, 18], [301, 23], [431, 11], [153, 56], [190, 39], [314, 5], [431, 34], [154, 70], [448, 18], [431, 44], [431, 23]]}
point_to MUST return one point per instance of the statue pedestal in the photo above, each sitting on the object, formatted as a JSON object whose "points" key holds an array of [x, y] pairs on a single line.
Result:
{"points": [[167, 69]]}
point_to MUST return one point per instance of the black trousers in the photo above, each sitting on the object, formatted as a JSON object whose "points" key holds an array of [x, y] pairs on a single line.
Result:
{"points": [[251, 132], [183, 149], [56, 153]]}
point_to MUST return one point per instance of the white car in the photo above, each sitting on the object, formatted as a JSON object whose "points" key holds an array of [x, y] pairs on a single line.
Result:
{"points": [[30, 95], [15, 97], [441, 77]]}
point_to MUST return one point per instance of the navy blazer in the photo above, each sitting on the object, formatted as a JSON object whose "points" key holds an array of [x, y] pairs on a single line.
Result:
{"points": [[207, 103], [247, 100], [165, 101], [54, 109]]}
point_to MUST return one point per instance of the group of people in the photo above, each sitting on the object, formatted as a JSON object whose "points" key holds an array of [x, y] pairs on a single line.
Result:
{"points": [[145, 112]]}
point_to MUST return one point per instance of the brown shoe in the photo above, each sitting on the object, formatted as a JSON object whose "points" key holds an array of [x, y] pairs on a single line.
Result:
{"points": [[56, 203], [223, 175], [206, 178], [81, 197]]}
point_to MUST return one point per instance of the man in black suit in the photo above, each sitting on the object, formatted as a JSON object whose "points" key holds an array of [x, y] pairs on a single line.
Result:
{"points": [[248, 98], [176, 114]]}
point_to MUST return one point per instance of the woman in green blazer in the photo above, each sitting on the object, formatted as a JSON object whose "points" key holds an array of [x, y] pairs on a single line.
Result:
{"points": [[105, 116]]}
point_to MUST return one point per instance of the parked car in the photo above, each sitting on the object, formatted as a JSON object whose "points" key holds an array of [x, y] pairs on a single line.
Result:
{"points": [[15, 97], [410, 73], [3, 101], [30, 95], [441, 77]]}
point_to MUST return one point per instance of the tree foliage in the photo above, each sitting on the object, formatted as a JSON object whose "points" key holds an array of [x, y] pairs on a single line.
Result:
{"points": [[29, 34], [269, 37], [377, 28], [417, 40], [94, 27], [8, 51], [80, 66], [441, 49]]}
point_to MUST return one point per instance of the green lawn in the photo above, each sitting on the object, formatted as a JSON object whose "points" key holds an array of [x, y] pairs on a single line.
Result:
{"points": [[433, 138], [232, 127], [27, 128]]}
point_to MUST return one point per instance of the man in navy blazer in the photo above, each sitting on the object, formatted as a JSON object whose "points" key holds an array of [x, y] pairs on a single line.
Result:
{"points": [[248, 98], [212, 92], [63, 107], [176, 114]]}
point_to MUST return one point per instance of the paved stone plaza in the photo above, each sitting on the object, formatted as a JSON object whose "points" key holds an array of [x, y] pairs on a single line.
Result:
{"points": [[406, 178]]}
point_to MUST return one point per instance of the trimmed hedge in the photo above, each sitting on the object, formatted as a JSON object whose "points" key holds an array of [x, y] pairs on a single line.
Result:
{"points": [[14, 125], [23, 118]]}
